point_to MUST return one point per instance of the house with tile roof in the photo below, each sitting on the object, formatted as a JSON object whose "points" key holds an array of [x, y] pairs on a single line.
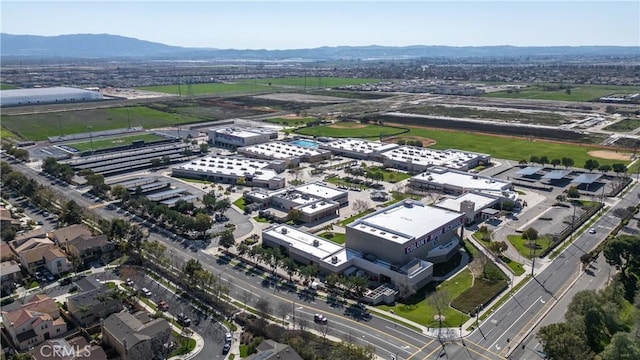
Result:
{"points": [[136, 336], [37, 320]]}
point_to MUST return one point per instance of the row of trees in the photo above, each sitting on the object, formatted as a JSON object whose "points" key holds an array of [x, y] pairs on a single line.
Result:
{"points": [[62, 171], [590, 164], [602, 324], [18, 153]]}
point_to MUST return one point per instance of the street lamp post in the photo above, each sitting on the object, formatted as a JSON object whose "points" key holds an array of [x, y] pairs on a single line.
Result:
{"points": [[90, 136]]}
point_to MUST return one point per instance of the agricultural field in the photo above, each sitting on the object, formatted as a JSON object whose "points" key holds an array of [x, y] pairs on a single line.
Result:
{"points": [[7, 87], [542, 118], [310, 81], [577, 92], [351, 129], [39, 126], [292, 121], [208, 88], [114, 142], [624, 125]]}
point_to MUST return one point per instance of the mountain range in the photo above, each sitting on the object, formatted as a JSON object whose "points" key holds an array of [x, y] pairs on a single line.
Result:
{"points": [[103, 46]]}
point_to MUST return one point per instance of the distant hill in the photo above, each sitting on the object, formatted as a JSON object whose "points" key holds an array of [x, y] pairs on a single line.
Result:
{"points": [[114, 46]]}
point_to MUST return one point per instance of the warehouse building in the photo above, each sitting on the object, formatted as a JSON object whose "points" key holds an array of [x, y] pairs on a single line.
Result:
{"points": [[358, 148], [53, 95], [235, 137], [234, 170], [454, 182], [416, 160], [290, 153]]}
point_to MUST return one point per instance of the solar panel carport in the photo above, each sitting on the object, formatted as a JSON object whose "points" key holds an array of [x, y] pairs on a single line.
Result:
{"points": [[556, 174], [528, 171], [587, 178]]}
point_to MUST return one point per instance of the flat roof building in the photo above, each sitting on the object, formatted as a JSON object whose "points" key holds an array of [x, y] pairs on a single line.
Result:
{"points": [[252, 172], [290, 153], [52, 95], [358, 148], [234, 137], [472, 205], [415, 159], [315, 201], [456, 182]]}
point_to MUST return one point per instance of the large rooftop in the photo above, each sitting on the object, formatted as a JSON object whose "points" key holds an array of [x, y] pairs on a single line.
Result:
{"points": [[321, 190], [304, 241], [241, 132], [282, 150], [480, 200], [359, 146], [404, 221], [455, 159], [231, 166], [461, 179]]}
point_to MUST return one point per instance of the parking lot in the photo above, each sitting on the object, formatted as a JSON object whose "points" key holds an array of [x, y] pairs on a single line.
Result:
{"points": [[211, 331]]}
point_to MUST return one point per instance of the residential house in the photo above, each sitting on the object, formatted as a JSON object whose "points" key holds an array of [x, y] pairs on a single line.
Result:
{"points": [[271, 350], [89, 248], [89, 306], [6, 253], [62, 235], [136, 336], [73, 349], [10, 273], [38, 253], [37, 320], [6, 220]]}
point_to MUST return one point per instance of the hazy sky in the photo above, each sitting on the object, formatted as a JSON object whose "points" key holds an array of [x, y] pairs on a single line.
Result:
{"points": [[304, 24]]}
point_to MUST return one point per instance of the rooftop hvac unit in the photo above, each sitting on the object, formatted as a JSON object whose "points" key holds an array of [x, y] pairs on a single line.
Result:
{"points": [[334, 259], [284, 230], [316, 243]]}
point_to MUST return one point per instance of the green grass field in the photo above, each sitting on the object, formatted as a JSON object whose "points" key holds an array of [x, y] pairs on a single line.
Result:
{"points": [[7, 134], [291, 121], [114, 142], [418, 309], [208, 88], [521, 245], [343, 130], [311, 81], [73, 122], [624, 125], [337, 238], [577, 92], [506, 148], [7, 87]]}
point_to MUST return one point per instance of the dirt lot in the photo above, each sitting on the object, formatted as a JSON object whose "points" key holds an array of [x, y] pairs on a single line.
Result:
{"points": [[610, 155]]}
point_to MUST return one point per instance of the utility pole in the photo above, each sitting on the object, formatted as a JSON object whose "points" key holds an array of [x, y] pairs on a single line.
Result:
{"points": [[60, 124], [90, 137]]}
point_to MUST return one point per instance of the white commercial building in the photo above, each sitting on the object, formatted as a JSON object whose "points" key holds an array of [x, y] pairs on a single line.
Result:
{"points": [[415, 159], [52, 95], [234, 170], [358, 148], [474, 206], [315, 201], [455, 182], [290, 153], [397, 244], [235, 137]]}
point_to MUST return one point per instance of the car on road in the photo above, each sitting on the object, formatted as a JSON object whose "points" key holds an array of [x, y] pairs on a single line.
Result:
{"points": [[226, 348], [592, 231], [183, 320], [319, 318], [163, 305]]}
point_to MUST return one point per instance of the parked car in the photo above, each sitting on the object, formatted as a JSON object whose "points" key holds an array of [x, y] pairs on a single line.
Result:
{"points": [[183, 320], [592, 231], [226, 348], [39, 276], [163, 306], [65, 281], [128, 282], [228, 337], [146, 292]]}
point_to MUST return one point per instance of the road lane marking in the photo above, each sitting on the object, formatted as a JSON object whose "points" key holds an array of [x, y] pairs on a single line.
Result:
{"points": [[517, 320], [403, 334], [422, 348]]}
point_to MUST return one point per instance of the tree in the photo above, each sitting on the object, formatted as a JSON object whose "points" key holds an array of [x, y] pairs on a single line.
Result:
{"points": [[561, 198], [498, 247], [560, 341], [405, 289], [242, 249], [573, 192], [120, 192], [294, 215], [264, 310], [360, 205], [439, 300], [567, 162], [556, 162], [623, 251], [591, 164], [623, 346], [118, 229], [222, 205], [349, 351], [282, 310], [623, 213], [191, 267], [544, 160], [534, 159], [530, 234], [204, 148], [227, 240], [605, 168], [290, 266], [202, 223], [619, 168], [71, 213], [209, 200]]}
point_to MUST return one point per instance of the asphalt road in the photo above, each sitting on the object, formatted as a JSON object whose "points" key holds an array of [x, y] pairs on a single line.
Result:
{"points": [[517, 317]]}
